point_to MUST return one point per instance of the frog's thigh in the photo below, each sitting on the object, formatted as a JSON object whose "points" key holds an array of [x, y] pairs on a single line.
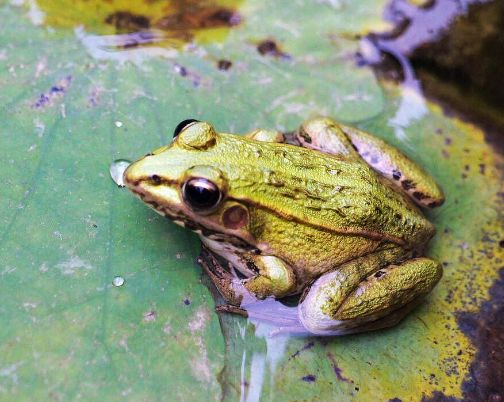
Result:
{"points": [[275, 277], [325, 135], [380, 300], [394, 165]]}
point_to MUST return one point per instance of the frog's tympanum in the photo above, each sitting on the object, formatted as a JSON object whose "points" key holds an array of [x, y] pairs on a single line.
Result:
{"points": [[330, 213]]}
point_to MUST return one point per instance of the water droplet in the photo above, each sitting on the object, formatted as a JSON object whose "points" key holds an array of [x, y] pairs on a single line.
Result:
{"points": [[117, 169], [118, 124], [118, 281]]}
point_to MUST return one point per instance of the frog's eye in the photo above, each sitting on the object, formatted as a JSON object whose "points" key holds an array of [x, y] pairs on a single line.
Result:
{"points": [[201, 194], [182, 125]]}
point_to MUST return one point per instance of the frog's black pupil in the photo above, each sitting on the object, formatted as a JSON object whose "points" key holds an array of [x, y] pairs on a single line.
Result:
{"points": [[182, 125], [201, 194]]}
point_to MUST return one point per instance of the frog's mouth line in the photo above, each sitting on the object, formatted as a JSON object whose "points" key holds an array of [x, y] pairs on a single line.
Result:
{"points": [[160, 210], [188, 224]]}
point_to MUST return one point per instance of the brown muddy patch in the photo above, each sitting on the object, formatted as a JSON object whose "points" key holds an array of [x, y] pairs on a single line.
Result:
{"points": [[124, 21], [224, 64], [269, 47], [485, 328], [163, 22]]}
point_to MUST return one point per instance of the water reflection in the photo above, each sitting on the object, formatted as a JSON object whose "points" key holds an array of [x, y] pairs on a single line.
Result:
{"points": [[412, 106], [134, 47], [264, 365], [414, 27]]}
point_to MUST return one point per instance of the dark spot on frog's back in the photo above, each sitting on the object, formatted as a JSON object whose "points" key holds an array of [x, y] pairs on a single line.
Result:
{"points": [[407, 184], [125, 21], [305, 136], [396, 174], [419, 195]]}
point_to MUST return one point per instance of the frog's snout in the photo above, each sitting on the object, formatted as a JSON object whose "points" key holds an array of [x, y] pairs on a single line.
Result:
{"points": [[138, 176], [147, 178], [130, 176], [143, 170]]}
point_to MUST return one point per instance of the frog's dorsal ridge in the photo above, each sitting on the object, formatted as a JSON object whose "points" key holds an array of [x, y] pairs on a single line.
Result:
{"points": [[329, 192]]}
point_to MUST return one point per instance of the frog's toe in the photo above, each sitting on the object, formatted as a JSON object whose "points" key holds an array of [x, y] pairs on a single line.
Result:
{"points": [[380, 301]]}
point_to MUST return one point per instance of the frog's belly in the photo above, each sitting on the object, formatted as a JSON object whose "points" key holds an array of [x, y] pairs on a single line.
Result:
{"points": [[232, 253]]}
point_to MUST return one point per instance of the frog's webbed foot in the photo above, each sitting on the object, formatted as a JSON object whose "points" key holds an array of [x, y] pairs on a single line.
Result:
{"points": [[226, 283], [380, 300], [230, 309], [328, 136]]}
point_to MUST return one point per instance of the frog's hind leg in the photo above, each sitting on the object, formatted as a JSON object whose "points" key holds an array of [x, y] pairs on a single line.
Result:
{"points": [[395, 166], [381, 300], [328, 136]]}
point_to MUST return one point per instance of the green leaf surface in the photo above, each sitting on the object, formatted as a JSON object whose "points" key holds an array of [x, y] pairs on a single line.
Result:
{"points": [[70, 105]]}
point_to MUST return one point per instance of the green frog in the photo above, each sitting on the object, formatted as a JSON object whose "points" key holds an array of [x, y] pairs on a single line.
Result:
{"points": [[329, 212]]}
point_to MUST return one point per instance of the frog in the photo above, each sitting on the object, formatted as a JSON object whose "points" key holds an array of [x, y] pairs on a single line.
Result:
{"points": [[328, 214]]}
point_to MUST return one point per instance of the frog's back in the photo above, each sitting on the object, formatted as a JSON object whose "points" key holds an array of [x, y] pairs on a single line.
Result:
{"points": [[329, 192]]}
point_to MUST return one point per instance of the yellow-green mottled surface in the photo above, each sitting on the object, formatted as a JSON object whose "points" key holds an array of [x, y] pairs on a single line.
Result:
{"points": [[71, 102]]}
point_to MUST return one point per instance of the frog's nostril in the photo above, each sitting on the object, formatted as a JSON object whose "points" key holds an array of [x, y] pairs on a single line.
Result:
{"points": [[155, 179]]}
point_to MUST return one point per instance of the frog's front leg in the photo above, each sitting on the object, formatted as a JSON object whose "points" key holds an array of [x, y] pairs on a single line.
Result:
{"points": [[273, 277], [328, 136], [336, 305]]}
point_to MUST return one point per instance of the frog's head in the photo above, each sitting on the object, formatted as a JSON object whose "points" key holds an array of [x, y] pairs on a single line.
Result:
{"points": [[183, 182]]}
